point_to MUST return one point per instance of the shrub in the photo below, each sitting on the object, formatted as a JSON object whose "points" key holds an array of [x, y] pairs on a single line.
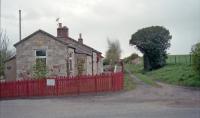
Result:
{"points": [[196, 58]]}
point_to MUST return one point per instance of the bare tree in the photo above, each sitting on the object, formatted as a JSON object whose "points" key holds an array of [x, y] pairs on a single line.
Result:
{"points": [[5, 53]]}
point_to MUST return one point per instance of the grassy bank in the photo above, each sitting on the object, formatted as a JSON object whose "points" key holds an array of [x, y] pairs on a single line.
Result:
{"points": [[137, 71], [129, 84], [177, 74]]}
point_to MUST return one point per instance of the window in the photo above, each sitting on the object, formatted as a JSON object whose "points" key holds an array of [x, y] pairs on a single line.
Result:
{"points": [[41, 52], [40, 58]]}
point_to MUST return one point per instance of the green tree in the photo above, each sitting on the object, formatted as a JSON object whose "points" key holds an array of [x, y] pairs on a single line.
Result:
{"points": [[40, 70], [113, 53], [196, 58], [152, 42], [105, 62], [5, 53]]}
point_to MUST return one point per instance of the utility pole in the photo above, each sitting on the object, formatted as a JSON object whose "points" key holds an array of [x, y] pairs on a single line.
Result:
{"points": [[20, 36], [0, 15]]}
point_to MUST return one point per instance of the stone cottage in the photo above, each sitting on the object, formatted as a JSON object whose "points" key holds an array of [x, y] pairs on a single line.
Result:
{"points": [[61, 55]]}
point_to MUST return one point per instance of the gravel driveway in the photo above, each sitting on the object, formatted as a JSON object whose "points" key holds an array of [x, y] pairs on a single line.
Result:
{"points": [[143, 102]]}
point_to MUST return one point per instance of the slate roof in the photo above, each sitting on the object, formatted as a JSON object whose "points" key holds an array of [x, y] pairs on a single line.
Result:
{"points": [[77, 49]]}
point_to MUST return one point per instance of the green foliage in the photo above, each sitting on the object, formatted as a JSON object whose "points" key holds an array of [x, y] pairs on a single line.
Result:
{"points": [[40, 70], [105, 62], [137, 70], [129, 84], [177, 74], [146, 80], [130, 58], [153, 43], [114, 52], [5, 54], [196, 58]]}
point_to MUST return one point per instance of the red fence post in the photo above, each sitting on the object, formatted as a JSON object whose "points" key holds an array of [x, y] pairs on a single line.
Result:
{"points": [[95, 80], [78, 86], [113, 85], [27, 88], [56, 83], [96, 83]]}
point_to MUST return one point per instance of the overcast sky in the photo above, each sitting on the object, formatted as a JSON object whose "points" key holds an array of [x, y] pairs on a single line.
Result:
{"points": [[99, 20]]}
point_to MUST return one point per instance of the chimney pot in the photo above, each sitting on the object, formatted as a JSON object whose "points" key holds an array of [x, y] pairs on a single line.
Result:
{"points": [[80, 40]]}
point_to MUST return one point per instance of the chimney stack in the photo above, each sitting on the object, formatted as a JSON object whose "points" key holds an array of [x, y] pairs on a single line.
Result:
{"points": [[60, 25], [62, 32], [80, 40]]}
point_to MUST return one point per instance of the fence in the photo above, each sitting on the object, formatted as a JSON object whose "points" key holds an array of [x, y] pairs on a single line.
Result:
{"points": [[58, 86], [179, 59]]}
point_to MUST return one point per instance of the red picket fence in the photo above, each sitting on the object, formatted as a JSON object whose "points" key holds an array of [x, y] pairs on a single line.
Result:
{"points": [[57, 86]]}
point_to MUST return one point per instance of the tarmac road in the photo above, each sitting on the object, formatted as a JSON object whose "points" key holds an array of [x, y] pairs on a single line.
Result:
{"points": [[143, 102], [85, 107]]}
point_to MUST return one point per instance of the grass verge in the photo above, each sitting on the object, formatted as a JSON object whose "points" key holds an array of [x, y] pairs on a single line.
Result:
{"points": [[129, 84], [146, 80], [177, 74]]}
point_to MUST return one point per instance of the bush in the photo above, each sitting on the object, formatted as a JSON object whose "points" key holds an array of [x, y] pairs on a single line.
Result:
{"points": [[40, 70], [105, 62], [196, 58]]}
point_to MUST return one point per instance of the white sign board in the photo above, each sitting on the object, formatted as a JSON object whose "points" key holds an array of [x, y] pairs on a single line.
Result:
{"points": [[50, 82]]}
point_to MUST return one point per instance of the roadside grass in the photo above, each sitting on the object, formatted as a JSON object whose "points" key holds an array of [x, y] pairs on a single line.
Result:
{"points": [[146, 80], [137, 70], [129, 84], [176, 74]]}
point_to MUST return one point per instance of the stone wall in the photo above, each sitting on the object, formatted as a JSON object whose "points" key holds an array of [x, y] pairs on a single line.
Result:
{"points": [[57, 57], [26, 55], [10, 70]]}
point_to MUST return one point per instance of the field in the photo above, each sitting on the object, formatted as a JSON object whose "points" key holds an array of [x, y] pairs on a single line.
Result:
{"points": [[179, 73]]}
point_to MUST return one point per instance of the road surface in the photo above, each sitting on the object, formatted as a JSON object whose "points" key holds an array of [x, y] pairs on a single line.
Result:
{"points": [[143, 102]]}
